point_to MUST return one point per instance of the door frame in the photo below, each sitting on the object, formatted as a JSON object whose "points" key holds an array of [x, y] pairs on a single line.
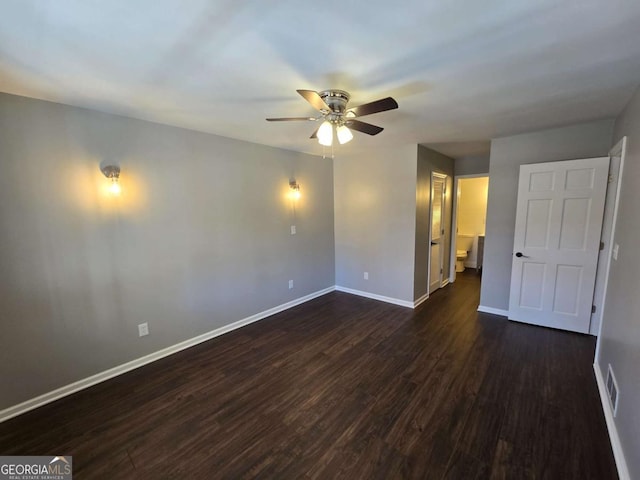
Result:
{"points": [[616, 161], [618, 150], [443, 177], [454, 219]]}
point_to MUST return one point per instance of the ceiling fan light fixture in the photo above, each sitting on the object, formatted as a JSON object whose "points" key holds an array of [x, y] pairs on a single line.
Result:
{"points": [[344, 134], [335, 114], [325, 134]]}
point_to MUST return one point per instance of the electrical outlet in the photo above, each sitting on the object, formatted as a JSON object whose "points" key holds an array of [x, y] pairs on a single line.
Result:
{"points": [[366, 275], [293, 229], [290, 284], [615, 251], [143, 329]]}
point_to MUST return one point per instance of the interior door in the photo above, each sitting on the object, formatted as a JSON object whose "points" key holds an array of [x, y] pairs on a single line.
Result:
{"points": [[437, 232], [556, 243]]}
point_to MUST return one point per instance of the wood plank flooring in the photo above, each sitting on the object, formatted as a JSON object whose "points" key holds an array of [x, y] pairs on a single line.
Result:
{"points": [[344, 387]]}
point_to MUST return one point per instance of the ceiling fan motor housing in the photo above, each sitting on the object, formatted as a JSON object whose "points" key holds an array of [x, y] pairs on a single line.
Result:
{"points": [[337, 101]]}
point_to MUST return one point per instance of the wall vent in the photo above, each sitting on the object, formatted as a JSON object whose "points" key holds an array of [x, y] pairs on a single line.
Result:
{"points": [[612, 390]]}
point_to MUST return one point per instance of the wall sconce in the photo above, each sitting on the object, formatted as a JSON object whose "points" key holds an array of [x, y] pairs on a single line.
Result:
{"points": [[295, 189], [112, 172]]}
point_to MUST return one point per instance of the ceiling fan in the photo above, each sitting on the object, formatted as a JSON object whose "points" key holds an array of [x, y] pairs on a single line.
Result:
{"points": [[332, 105]]}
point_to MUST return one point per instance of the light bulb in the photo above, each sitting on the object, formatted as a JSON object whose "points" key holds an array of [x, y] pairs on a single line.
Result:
{"points": [[344, 134], [325, 134], [114, 188], [294, 190]]}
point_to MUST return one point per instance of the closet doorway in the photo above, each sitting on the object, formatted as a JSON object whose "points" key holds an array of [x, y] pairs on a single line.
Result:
{"points": [[437, 231]]}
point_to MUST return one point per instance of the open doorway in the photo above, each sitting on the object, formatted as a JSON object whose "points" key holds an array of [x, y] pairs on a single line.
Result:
{"points": [[470, 214]]}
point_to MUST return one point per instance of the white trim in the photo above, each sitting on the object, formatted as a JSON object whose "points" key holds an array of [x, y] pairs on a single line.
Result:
{"points": [[454, 229], [473, 175], [493, 311], [616, 445], [421, 300], [61, 392], [602, 277], [374, 296], [445, 282], [621, 149]]}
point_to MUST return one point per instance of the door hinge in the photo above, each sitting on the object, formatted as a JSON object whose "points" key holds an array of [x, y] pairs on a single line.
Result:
{"points": [[593, 309], [611, 179], [601, 245], [440, 271]]}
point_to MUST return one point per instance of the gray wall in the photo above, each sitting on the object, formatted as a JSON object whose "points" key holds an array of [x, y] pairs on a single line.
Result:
{"points": [[475, 165], [507, 154], [375, 211], [199, 239], [430, 161], [620, 337]]}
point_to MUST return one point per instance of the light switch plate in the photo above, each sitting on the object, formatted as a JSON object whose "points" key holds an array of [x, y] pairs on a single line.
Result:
{"points": [[615, 251], [293, 229], [143, 329]]}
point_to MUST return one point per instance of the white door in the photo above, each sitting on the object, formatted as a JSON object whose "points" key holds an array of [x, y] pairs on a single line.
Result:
{"points": [[437, 232], [557, 238]]}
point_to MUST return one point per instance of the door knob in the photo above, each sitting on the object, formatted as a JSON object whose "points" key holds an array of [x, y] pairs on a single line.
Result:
{"points": [[520, 255]]}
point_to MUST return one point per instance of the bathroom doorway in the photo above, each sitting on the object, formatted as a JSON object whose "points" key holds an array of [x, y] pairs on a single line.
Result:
{"points": [[470, 215]]}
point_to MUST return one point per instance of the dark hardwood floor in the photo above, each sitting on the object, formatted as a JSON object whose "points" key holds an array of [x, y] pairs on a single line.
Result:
{"points": [[344, 387]]}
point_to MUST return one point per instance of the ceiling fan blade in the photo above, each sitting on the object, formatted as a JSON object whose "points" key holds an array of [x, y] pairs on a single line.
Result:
{"points": [[314, 99], [381, 105], [290, 119], [315, 134], [363, 127]]}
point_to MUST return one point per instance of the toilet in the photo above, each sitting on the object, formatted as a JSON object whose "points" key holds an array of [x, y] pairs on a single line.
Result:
{"points": [[464, 244], [461, 256]]}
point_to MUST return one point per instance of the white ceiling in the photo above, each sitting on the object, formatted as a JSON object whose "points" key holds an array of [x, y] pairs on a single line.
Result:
{"points": [[461, 70]]}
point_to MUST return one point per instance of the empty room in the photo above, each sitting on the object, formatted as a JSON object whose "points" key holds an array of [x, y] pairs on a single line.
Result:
{"points": [[319, 240]]}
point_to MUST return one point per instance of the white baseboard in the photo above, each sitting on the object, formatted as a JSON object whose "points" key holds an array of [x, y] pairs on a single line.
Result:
{"points": [[382, 298], [445, 282], [616, 445], [61, 392], [493, 311], [421, 300]]}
